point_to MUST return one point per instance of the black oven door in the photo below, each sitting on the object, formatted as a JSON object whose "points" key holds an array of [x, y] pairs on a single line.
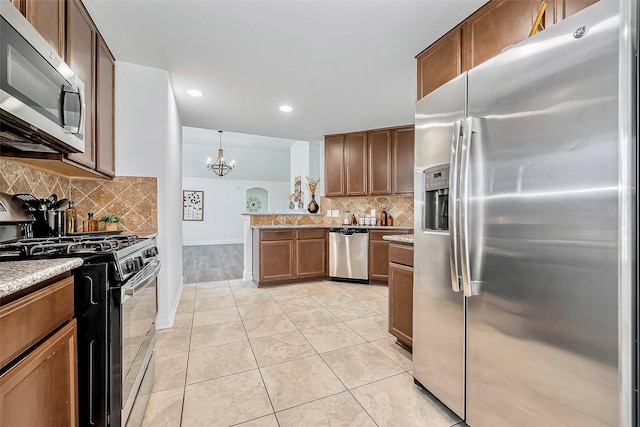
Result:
{"points": [[92, 295]]}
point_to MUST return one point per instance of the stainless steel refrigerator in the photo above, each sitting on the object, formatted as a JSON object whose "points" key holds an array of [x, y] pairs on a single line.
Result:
{"points": [[524, 275]]}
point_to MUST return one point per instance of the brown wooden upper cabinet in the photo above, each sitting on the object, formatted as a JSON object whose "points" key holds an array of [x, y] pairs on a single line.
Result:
{"points": [[374, 162], [380, 146], [440, 62], [105, 144], [403, 152], [47, 16], [81, 38], [355, 156], [494, 27], [334, 172], [560, 9], [484, 34]]}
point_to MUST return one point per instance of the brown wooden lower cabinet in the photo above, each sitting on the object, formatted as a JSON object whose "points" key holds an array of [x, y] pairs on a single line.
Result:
{"points": [[379, 253], [41, 390], [282, 255], [401, 292], [277, 260], [39, 355], [311, 253]]}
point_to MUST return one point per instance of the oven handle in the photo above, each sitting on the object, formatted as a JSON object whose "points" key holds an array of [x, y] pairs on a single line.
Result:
{"points": [[143, 283]]}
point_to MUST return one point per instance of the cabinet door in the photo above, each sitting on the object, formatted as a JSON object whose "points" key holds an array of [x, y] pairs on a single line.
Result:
{"points": [[557, 10], [495, 26], [41, 390], [355, 149], [277, 260], [440, 62], [81, 58], [311, 258], [334, 171], [401, 303], [47, 16], [105, 144], [403, 155], [379, 260], [379, 161], [19, 5]]}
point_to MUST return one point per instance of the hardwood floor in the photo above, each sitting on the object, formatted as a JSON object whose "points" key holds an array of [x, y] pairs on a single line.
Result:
{"points": [[212, 263]]}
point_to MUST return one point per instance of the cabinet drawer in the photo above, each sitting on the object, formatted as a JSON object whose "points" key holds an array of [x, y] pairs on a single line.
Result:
{"points": [[277, 234], [312, 233], [27, 320], [401, 254]]}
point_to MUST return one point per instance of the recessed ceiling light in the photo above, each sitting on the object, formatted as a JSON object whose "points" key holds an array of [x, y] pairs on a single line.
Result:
{"points": [[286, 108], [195, 92]]}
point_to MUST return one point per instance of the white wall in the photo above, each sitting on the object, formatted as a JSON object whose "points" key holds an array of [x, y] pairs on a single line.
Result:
{"points": [[224, 204], [251, 164], [149, 143]]}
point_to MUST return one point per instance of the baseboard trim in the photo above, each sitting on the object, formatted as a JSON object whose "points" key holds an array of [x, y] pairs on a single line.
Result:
{"points": [[167, 323]]}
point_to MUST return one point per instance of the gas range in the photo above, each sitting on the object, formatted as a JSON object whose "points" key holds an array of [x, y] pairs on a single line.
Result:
{"points": [[126, 255]]}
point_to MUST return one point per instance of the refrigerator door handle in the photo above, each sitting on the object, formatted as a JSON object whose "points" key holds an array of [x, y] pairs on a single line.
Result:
{"points": [[454, 253], [470, 127]]}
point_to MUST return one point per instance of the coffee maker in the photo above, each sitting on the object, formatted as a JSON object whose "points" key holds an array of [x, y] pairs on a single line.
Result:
{"points": [[435, 215]]}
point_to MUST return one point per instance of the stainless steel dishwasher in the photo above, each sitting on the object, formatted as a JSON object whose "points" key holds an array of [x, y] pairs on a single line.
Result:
{"points": [[349, 254]]}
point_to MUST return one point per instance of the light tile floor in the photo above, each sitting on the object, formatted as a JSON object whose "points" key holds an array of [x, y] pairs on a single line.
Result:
{"points": [[307, 354]]}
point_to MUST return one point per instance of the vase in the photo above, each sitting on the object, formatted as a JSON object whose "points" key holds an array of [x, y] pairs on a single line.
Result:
{"points": [[313, 205], [110, 226]]}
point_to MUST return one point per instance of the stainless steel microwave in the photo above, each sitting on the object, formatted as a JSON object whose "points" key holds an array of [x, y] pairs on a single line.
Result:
{"points": [[42, 103]]}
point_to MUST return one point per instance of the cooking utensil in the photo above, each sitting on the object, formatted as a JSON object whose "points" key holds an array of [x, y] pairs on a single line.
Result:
{"points": [[60, 204], [51, 200]]}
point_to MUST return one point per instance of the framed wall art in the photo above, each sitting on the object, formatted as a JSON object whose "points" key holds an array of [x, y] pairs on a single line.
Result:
{"points": [[192, 205]]}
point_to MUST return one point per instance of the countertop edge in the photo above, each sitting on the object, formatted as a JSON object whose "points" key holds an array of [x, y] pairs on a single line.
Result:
{"points": [[18, 275], [369, 227], [400, 238]]}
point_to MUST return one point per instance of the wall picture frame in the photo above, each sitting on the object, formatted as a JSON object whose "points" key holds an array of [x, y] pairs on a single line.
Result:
{"points": [[192, 205]]}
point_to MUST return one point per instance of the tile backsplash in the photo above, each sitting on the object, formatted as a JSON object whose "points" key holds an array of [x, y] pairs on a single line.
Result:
{"points": [[16, 178], [400, 207], [134, 198], [131, 197]]}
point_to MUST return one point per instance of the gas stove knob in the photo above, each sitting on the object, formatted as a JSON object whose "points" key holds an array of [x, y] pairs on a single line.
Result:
{"points": [[129, 266]]}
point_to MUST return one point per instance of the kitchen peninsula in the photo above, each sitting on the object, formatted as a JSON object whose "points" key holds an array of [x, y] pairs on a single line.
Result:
{"points": [[282, 253]]}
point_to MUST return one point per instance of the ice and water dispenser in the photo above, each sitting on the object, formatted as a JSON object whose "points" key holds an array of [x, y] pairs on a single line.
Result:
{"points": [[436, 198]]}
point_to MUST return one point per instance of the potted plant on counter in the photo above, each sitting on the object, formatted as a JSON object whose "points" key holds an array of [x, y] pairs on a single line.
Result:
{"points": [[111, 221]]}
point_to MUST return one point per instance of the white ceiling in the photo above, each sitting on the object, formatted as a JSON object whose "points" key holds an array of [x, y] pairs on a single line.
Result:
{"points": [[342, 65]]}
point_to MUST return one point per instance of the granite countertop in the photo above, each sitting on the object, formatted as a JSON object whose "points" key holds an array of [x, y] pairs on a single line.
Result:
{"points": [[18, 275], [401, 238], [370, 227]]}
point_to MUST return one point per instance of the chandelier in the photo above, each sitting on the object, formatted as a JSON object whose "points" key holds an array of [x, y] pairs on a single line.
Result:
{"points": [[220, 167]]}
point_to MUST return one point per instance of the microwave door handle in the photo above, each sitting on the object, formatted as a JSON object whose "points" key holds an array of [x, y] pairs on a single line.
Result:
{"points": [[470, 128], [454, 252], [65, 91]]}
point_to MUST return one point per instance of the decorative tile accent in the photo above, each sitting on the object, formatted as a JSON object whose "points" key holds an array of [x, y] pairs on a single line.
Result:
{"points": [[134, 198], [131, 197], [400, 207], [16, 178]]}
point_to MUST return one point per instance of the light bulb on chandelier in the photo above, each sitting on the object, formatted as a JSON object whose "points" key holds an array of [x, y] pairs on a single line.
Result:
{"points": [[220, 167]]}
